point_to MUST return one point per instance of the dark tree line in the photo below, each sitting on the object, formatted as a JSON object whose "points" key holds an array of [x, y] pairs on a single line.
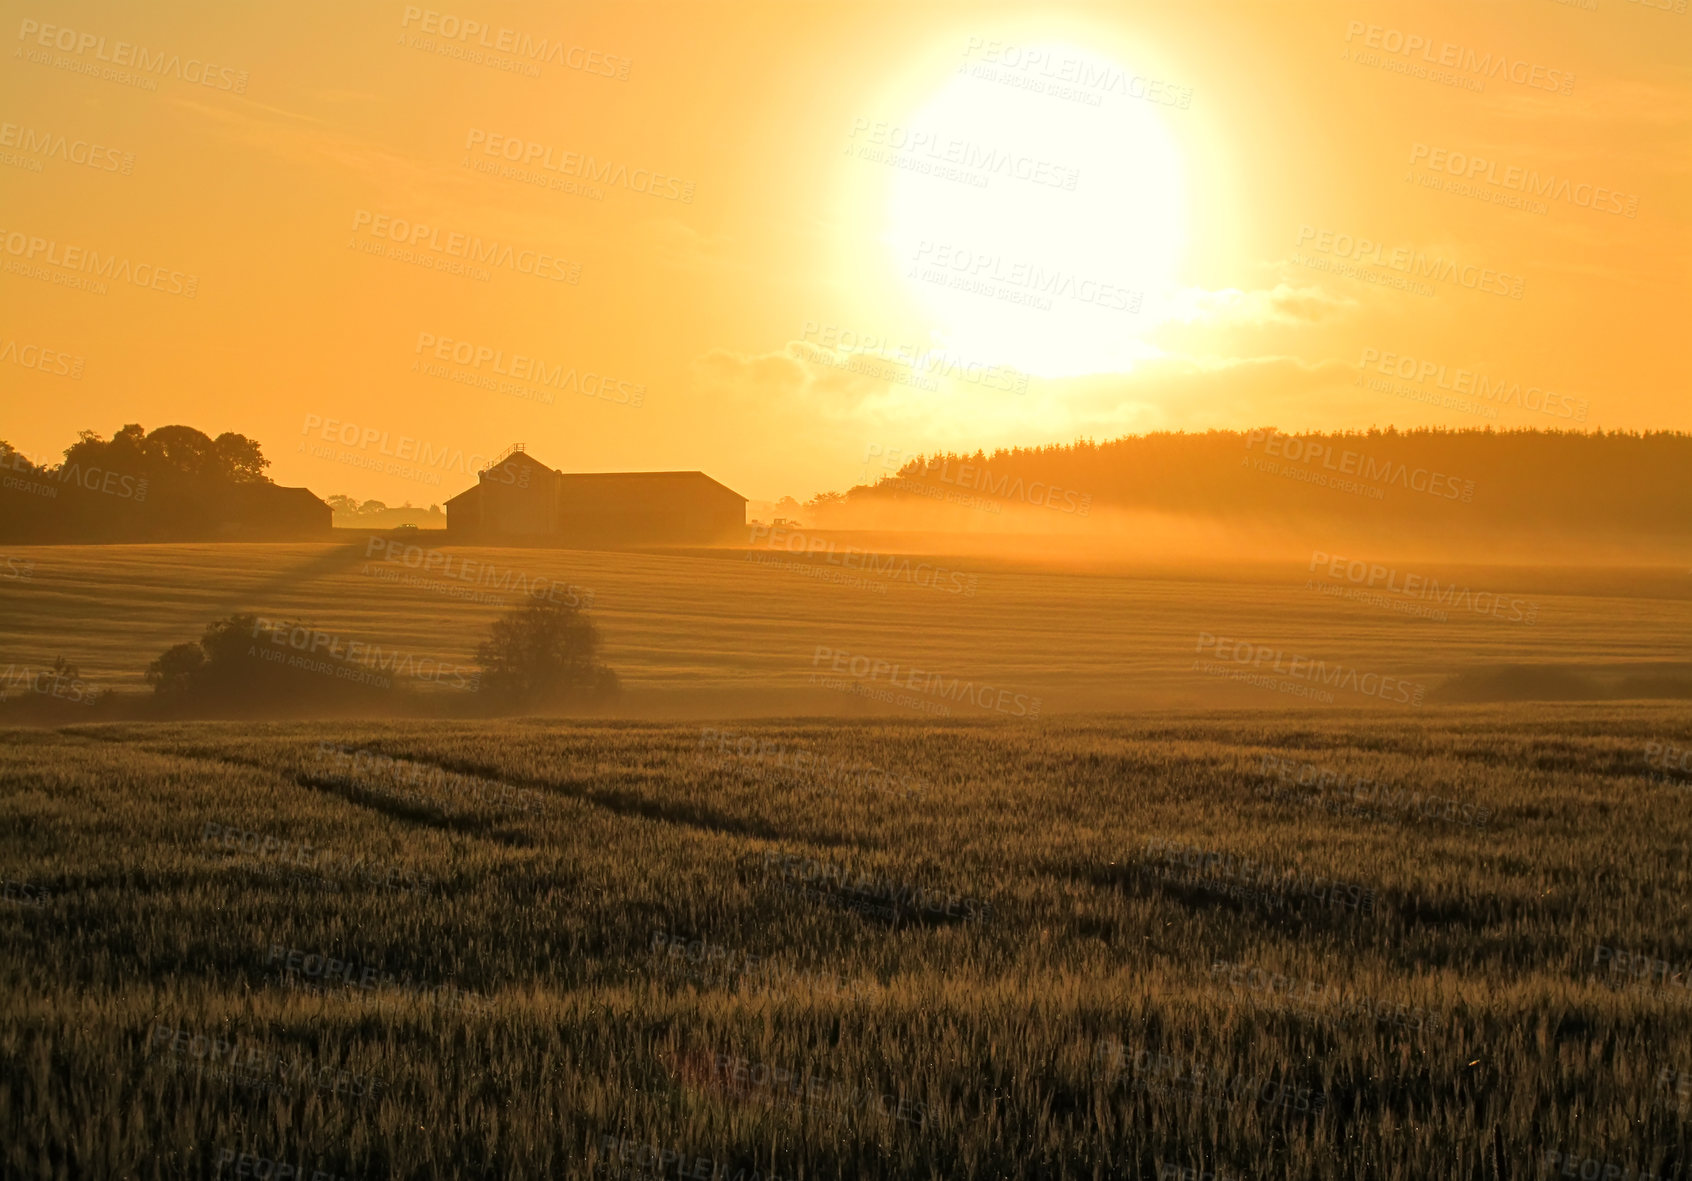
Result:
{"points": [[1634, 482], [171, 483]]}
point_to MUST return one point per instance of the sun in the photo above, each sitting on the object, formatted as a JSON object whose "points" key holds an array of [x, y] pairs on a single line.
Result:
{"points": [[1037, 210]]}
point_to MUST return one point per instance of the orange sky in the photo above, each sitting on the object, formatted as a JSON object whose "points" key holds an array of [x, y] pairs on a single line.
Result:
{"points": [[1152, 221]]}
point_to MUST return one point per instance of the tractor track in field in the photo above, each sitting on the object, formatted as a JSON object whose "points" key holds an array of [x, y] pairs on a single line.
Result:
{"points": [[616, 802]]}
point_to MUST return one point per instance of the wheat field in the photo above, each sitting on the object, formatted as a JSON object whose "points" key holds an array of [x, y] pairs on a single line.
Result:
{"points": [[1424, 943]]}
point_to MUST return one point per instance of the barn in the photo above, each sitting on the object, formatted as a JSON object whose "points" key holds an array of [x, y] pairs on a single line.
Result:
{"points": [[258, 509], [519, 499]]}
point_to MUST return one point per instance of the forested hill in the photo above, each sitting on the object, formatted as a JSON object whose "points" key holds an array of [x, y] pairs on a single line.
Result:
{"points": [[1558, 481]]}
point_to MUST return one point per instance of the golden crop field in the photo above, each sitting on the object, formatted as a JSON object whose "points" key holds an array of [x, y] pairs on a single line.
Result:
{"points": [[1438, 943], [793, 590], [710, 633]]}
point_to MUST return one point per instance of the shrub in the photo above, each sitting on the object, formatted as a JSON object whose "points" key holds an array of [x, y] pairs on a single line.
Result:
{"points": [[544, 654], [237, 666]]}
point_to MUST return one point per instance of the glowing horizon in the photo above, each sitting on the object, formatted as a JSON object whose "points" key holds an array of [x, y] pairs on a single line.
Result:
{"points": [[644, 235]]}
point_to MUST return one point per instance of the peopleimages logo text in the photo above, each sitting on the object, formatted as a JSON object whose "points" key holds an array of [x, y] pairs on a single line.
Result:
{"points": [[412, 449], [979, 478], [1370, 575], [1225, 650], [1516, 178], [40, 358], [470, 247], [1497, 66], [32, 248], [924, 361], [1357, 463], [466, 32], [1057, 66], [985, 267], [1411, 261], [902, 676], [1469, 382], [57, 146], [334, 648], [584, 165], [982, 159], [139, 57], [523, 368]]}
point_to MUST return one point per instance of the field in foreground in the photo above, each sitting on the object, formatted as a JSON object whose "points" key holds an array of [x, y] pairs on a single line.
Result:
{"points": [[1086, 949]]}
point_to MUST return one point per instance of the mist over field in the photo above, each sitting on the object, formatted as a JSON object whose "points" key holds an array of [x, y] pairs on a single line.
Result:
{"points": [[838, 624]]}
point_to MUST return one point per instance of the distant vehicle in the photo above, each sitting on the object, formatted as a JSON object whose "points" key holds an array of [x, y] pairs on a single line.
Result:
{"points": [[405, 526]]}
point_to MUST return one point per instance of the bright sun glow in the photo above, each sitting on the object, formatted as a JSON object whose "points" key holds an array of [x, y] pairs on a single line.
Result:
{"points": [[1057, 264]]}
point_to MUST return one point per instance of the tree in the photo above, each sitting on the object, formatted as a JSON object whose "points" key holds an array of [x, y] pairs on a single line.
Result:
{"points": [[243, 663], [544, 653], [219, 664], [173, 482], [183, 450], [239, 459], [177, 670], [351, 506], [172, 451], [13, 460]]}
